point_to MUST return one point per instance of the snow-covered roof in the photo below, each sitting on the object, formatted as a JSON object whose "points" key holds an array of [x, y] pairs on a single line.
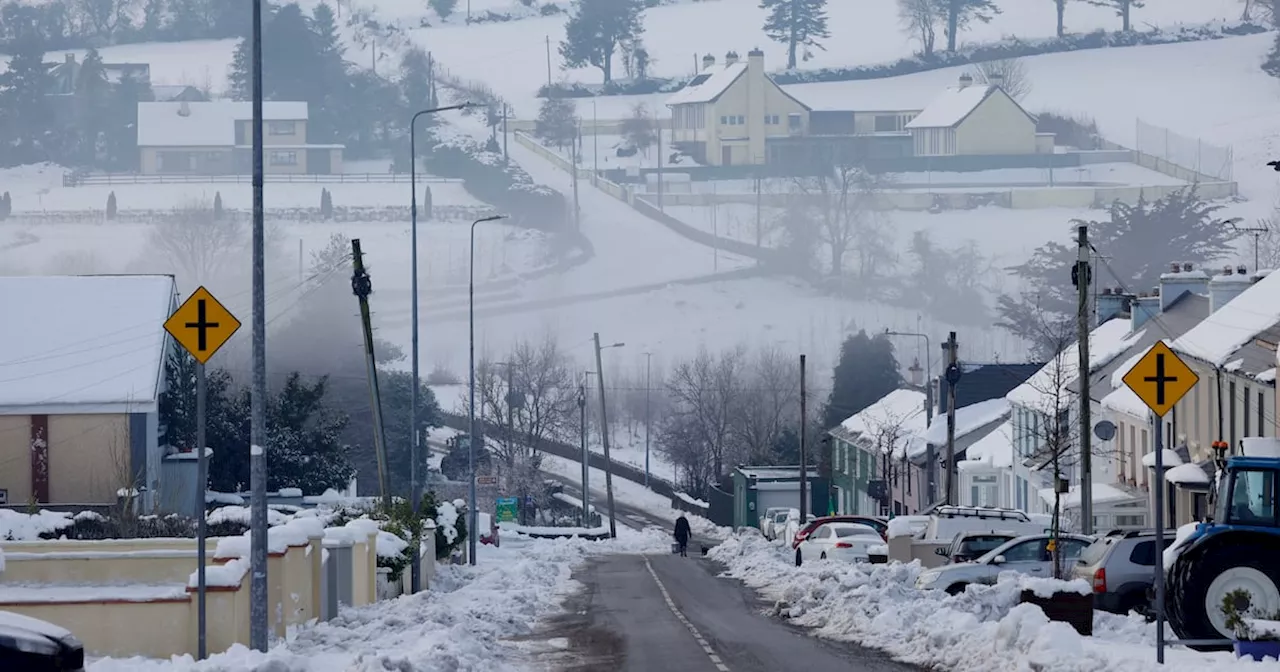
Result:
{"points": [[996, 448], [900, 412], [1168, 459], [950, 107], [210, 124], [1103, 493], [968, 419], [708, 86], [1187, 474], [1106, 342], [83, 344], [1237, 323]]}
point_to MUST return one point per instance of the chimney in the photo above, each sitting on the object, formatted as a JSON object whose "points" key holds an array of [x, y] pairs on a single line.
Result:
{"points": [[995, 79], [184, 110], [1223, 288], [1174, 284], [708, 61], [965, 80], [70, 58], [730, 58], [1143, 308], [1113, 304]]}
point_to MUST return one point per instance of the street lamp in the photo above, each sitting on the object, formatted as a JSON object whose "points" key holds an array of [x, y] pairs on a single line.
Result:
{"points": [[647, 357], [604, 434], [472, 515], [928, 357], [415, 490]]}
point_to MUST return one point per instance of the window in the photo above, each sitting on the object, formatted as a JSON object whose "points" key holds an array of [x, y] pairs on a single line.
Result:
{"points": [[1144, 448], [1231, 410], [724, 121], [1072, 548], [887, 123], [1200, 505], [741, 120], [1027, 551], [281, 127], [1262, 426], [1245, 414], [1195, 415], [794, 121], [284, 158], [1253, 498], [1131, 521], [1144, 552]]}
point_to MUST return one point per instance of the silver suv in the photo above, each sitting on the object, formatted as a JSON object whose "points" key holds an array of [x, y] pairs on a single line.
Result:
{"points": [[1121, 567]]}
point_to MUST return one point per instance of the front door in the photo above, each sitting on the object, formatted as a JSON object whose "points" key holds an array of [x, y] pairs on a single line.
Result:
{"points": [[726, 155]]}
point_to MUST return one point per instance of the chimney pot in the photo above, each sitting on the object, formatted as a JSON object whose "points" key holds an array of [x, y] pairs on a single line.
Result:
{"points": [[965, 80], [70, 58], [1226, 270], [1187, 267], [1174, 267], [1241, 270]]}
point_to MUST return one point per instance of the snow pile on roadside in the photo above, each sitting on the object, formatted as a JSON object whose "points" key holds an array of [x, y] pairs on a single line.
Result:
{"points": [[464, 622], [17, 526], [447, 518], [984, 629]]}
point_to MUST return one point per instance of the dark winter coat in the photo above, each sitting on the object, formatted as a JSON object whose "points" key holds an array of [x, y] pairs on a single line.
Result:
{"points": [[682, 529]]}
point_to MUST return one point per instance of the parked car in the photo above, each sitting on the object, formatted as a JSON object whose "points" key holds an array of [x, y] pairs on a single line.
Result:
{"points": [[850, 542], [879, 525], [969, 546], [766, 521], [1121, 566], [1028, 555], [33, 645]]}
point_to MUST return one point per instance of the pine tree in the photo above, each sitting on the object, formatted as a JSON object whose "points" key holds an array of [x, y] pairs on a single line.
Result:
{"points": [[595, 29], [867, 370], [92, 102], [796, 23], [217, 205], [23, 89], [122, 129], [328, 104], [239, 77], [111, 205], [426, 201], [557, 121], [443, 8], [1124, 10], [397, 388], [960, 13]]}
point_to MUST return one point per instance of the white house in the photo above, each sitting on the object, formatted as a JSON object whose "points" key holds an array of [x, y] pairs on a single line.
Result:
{"points": [[868, 452], [974, 119], [986, 473]]}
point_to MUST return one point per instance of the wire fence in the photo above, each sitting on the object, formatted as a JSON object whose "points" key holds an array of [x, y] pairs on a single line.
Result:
{"points": [[1190, 153]]}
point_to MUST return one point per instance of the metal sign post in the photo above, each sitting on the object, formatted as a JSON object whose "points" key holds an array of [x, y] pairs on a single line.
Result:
{"points": [[1160, 379], [201, 325]]}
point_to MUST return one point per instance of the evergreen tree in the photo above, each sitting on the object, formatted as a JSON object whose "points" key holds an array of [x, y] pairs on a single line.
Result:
{"points": [[28, 131], [152, 19], [330, 76], [796, 23], [240, 77], [415, 82], [1138, 240], [443, 8], [595, 29], [397, 389], [217, 205], [305, 438], [960, 13], [111, 205], [228, 467], [557, 121], [92, 103], [867, 371]]}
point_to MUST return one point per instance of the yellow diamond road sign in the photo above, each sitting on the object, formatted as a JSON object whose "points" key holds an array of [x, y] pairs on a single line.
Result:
{"points": [[201, 325], [1160, 379]]}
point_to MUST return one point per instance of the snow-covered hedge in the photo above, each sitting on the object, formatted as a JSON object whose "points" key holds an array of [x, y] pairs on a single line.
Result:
{"points": [[1011, 47]]}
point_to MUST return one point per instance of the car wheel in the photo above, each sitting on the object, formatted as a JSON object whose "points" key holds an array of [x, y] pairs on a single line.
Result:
{"points": [[956, 589]]}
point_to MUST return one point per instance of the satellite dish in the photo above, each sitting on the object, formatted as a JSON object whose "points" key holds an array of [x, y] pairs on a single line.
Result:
{"points": [[1105, 430]]}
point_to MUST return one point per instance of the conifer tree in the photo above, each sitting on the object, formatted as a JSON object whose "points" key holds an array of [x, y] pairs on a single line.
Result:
{"points": [[796, 23]]}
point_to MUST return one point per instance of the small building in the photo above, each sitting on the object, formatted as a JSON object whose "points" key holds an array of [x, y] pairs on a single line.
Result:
{"points": [[84, 364], [757, 489], [970, 119], [64, 74], [216, 138]]}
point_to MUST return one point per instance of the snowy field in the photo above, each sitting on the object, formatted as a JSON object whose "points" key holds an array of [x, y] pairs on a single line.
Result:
{"points": [[39, 189], [467, 621], [200, 63], [981, 630], [865, 32]]}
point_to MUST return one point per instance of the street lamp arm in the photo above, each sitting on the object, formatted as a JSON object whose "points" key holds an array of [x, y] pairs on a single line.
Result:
{"points": [[433, 110]]}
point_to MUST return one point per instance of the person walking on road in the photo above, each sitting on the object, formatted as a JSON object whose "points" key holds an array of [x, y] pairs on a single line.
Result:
{"points": [[682, 535]]}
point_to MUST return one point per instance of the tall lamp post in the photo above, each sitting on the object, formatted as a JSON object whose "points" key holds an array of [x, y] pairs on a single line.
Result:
{"points": [[415, 489], [928, 386], [604, 434], [647, 357], [473, 516]]}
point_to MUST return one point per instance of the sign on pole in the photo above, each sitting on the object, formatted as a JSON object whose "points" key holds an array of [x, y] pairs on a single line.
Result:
{"points": [[486, 480], [1160, 379], [507, 509], [201, 325]]}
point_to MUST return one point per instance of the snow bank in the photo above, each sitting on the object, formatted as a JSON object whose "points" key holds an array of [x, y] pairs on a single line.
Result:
{"points": [[211, 497], [563, 531], [242, 515], [18, 526], [446, 519], [984, 629]]}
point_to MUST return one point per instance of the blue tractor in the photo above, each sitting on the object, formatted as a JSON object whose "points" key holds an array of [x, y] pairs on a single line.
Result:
{"points": [[1238, 549]]}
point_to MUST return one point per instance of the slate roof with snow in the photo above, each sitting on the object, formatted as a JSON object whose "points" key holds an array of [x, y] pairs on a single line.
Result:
{"points": [[1217, 337], [901, 411], [955, 104], [211, 124], [706, 87], [968, 419], [1103, 493], [996, 448], [83, 344], [1106, 342]]}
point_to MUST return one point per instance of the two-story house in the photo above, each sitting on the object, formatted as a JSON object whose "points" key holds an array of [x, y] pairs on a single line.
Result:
{"points": [[216, 138], [868, 451]]}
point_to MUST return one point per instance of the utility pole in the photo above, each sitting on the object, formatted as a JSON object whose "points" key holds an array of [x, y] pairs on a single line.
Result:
{"points": [[595, 143], [506, 114], [804, 457], [362, 287], [953, 377], [258, 623], [647, 417], [586, 468], [1081, 278], [657, 123], [759, 240], [577, 212], [548, 65], [604, 439], [202, 525]]}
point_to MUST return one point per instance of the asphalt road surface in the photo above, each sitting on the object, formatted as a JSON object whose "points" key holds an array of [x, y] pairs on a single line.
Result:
{"points": [[664, 613]]}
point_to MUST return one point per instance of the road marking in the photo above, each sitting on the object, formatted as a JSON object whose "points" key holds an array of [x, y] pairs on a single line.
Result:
{"points": [[715, 660]]}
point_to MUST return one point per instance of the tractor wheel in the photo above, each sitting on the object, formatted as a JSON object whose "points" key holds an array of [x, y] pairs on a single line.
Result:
{"points": [[1200, 581]]}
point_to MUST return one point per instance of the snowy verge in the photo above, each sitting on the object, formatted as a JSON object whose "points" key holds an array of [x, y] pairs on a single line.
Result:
{"points": [[464, 622], [985, 629]]}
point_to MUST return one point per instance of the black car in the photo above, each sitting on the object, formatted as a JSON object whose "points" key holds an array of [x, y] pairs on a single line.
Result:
{"points": [[33, 645]]}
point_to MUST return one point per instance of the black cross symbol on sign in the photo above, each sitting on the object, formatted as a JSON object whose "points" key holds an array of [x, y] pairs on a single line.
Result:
{"points": [[202, 326], [1160, 379]]}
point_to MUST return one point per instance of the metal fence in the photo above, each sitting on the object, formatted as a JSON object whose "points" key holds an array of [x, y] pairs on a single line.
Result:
{"points": [[80, 179], [1191, 153]]}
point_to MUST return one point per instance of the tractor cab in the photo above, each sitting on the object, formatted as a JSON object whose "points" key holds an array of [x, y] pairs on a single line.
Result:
{"points": [[1247, 492]]}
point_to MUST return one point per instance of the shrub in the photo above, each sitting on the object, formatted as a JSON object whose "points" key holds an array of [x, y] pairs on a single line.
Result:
{"points": [[503, 185], [426, 201], [217, 205], [1072, 131], [111, 205], [1011, 47]]}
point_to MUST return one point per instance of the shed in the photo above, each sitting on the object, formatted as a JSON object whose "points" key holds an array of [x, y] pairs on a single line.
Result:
{"points": [[756, 489]]}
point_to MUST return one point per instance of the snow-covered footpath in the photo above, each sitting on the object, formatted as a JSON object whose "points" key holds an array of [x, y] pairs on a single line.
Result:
{"points": [[982, 630], [463, 623]]}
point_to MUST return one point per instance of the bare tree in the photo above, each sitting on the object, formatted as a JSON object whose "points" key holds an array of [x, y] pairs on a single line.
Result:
{"points": [[639, 129], [1011, 74], [705, 392], [106, 15], [842, 204], [198, 242], [885, 436], [921, 19], [769, 403]]}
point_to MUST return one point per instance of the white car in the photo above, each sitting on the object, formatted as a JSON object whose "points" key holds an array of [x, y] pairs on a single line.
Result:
{"points": [[1029, 555], [849, 542], [766, 521]]}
